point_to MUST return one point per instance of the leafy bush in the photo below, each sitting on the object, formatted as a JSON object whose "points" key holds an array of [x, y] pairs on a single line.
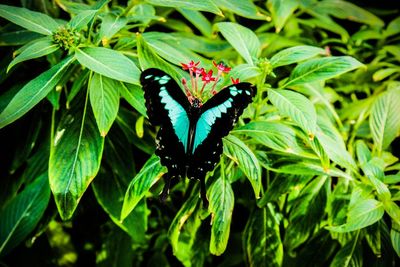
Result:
{"points": [[309, 176]]}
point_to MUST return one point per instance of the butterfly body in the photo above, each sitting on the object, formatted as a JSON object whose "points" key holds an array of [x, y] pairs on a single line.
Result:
{"points": [[189, 141]]}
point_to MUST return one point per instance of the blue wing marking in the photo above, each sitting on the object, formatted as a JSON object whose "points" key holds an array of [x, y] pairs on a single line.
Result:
{"points": [[207, 120], [177, 115]]}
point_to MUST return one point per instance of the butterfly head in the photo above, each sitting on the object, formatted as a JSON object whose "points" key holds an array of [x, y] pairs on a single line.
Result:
{"points": [[196, 102]]}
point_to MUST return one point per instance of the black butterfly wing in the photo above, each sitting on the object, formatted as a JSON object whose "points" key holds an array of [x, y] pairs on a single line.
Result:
{"points": [[168, 107], [217, 118]]}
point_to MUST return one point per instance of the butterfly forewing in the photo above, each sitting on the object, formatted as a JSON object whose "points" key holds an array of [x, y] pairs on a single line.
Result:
{"points": [[166, 104], [217, 118]]}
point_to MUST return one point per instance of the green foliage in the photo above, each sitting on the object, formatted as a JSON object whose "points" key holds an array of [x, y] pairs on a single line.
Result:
{"points": [[309, 177]]}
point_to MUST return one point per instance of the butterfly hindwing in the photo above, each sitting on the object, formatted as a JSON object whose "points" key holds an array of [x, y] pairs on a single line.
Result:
{"points": [[216, 120], [166, 103]]}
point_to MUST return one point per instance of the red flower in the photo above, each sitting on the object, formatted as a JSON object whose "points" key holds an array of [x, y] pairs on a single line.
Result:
{"points": [[221, 67], [235, 81], [190, 66], [198, 71], [207, 77]]}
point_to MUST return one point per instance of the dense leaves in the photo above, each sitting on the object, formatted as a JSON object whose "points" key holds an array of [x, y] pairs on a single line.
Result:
{"points": [[309, 176]]}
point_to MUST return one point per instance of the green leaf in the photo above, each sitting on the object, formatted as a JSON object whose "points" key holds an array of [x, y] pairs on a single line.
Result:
{"points": [[109, 190], [297, 107], [75, 157], [221, 200], [31, 20], [361, 214], [393, 27], [321, 69], [395, 237], [33, 92], [385, 119], [393, 210], [295, 54], [261, 238], [244, 72], [183, 229], [109, 63], [149, 59], [307, 212], [244, 40], [277, 136], [21, 215], [150, 173], [281, 11], [384, 73], [198, 20], [237, 150], [333, 144], [244, 8], [104, 99], [171, 52], [82, 19], [363, 152], [204, 5], [346, 10], [116, 250], [135, 97], [110, 25], [19, 37], [349, 255], [39, 48]]}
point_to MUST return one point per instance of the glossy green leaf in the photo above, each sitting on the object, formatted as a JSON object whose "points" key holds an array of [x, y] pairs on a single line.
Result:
{"points": [[82, 19], [347, 10], [244, 41], [221, 200], [149, 59], [393, 210], [104, 99], [110, 25], [198, 20], [385, 119], [281, 11], [21, 215], [277, 136], [361, 214], [244, 8], [33, 92], [307, 212], [241, 154], [135, 97], [297, 107], [31, 20], [37, 49], [18, 37], [109, 63], [384, 73], [363, 152], [393, 27], [261, 238], [182, 231], [349, 255], [321, 69], [109, 190], [295, 54], [333, 144], [173, 53], [205, 5], [395, 237], [150, 173], [116, 250], [75, 157]]}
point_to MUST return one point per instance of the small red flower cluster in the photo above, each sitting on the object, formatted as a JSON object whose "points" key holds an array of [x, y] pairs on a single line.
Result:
{"points": [[206, 77]]}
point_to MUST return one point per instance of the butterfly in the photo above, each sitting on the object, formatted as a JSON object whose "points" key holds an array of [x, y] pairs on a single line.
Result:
{"points": [[189, 141]]}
